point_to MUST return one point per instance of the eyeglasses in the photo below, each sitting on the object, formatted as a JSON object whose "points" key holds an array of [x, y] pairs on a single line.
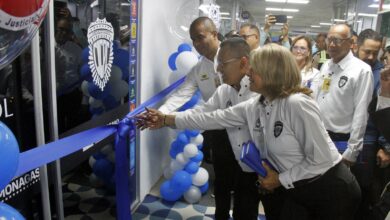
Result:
{"points": [[246, 36], [336, 41], [299, 49], [222, 64]]}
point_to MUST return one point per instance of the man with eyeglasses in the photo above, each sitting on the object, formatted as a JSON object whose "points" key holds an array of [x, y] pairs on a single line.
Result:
{"points": [[251, 35], [343, 92]]}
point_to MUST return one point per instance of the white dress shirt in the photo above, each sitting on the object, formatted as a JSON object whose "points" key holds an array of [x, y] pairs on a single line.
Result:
{"points": [[344, 105], [309, 76], [224, 97], [288, 132], [203, 76]]}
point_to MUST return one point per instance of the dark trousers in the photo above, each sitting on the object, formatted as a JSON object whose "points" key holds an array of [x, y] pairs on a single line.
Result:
{"points": [[229, 177], [364, 171], [335, 195]]}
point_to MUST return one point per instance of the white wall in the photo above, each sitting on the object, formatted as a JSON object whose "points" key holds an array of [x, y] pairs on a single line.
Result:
{"points": [[163, 28]]}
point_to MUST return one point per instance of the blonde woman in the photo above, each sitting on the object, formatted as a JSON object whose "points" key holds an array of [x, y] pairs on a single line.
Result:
{"points": [[285, 124], [301, 49]]}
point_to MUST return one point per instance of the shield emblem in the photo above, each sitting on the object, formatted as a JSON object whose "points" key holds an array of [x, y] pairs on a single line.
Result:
{"points": [[100, 39], [228, 104], [258, 123], [343, 80], [278, 128]]}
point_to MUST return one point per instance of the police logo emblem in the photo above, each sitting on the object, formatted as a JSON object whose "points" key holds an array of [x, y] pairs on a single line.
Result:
{"points": [[258, 123], [278, 128], [101, 55], [228, 104], [343, 80]]}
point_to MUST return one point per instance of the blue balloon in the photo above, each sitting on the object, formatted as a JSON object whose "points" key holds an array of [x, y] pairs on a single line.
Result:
{"points": [[181, 181], [200, 146], [95, 91], [173, 153], [103, 169], [191, 167], [121, 58], [9, 213], [85, 55], [184, 47], [9, 151], [172, 61], [191, 133], [182, 139], [96, 111], [85, 73], [198, 157], [203, 189], [125, 74], [168, 192], [110, 102]]}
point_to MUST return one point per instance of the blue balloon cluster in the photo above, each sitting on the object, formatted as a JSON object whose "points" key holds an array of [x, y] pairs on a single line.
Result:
{"points": [[9, 151], [115, 89], [103, 166], [172, 58], [181, 181]]}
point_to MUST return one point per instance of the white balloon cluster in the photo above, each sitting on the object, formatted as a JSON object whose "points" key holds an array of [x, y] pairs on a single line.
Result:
{"points": [[183, 174]]}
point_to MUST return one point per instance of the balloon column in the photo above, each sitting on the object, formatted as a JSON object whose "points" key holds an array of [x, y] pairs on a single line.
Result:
{"points": [[9, 151], [183, 174], [181, 62], [117, 87], [103, 167], [18, 25]]}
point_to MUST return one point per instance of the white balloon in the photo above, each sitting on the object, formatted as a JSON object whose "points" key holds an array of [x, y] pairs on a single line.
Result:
{"points": [[180, 158], [95, 103], [175, 166], [168, 173], [201, 177], [175, 75], [91, 161], [116, 73], [197, 140], [95, 181], [186, 60], [193, 195], [84, 88], [190, 150], [106, 150], [119, 89]]}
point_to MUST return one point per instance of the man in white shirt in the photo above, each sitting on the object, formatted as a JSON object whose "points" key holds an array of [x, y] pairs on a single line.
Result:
{"points": [[343, 92]]}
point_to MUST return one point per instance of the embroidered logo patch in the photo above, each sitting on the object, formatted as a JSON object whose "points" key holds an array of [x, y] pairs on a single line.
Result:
{"points": [[228, 104], [278, 128], [257, 125], [101, 55], [343, 80]]}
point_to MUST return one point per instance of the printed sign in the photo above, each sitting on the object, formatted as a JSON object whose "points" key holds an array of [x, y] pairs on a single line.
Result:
{"points": [[100, 39]]}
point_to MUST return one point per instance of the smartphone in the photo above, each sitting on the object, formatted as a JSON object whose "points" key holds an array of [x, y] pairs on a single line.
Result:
{"points": [[281, 18]]}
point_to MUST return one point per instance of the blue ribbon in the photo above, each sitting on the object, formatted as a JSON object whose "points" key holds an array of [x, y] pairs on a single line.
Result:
{"points": [[47, 153], [341, 145]]}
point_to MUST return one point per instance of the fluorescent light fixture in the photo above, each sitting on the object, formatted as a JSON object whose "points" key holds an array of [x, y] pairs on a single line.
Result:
{"points": [[226, 18], [367, 15], [279, 24], [325, 24], [315, 26], [374, 6], [184, 28], [360, 21], [290, 17], [282, 9], [125, 4], [224, 13], [338, 20], [289, 1]]}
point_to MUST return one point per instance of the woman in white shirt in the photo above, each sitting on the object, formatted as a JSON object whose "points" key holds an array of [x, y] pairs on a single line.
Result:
{"points": [[301, 50], [285, 124]]}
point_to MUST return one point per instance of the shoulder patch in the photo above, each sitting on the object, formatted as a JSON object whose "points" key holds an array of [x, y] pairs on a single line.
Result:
{"points": [[278, 128]]}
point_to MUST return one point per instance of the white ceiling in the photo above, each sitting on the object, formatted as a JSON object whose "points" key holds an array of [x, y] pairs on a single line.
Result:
{"points": [[313, 13]]}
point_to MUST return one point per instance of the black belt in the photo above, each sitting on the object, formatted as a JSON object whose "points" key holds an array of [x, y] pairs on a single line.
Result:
{"points": [[303, 182], [338, 136]]}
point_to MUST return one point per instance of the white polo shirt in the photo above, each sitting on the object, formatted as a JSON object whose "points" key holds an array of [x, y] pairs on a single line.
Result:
{"points": [[224, 97], [344, 105], [288, 132], [203, 76]]}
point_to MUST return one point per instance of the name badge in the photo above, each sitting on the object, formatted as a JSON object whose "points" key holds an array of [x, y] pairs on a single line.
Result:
{"points": [[326, 84]]}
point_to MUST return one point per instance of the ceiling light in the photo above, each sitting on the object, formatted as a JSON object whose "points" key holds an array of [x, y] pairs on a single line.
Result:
{"points": [[367, 15], [224, 13], [315, 26], [184, 28], [225, 18], [282, 9], [125, 4], [325, 24], [374, 6], [338, 20], [290, 17], [289, 1]]}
